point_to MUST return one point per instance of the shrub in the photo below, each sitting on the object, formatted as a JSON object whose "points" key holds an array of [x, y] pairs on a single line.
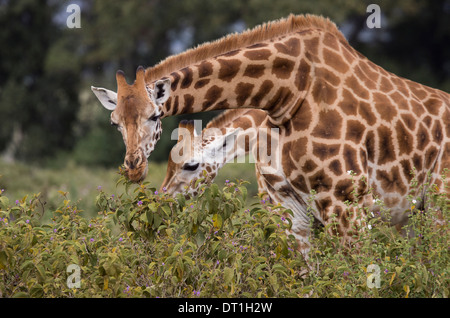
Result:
{"points": [[148, 244], [411, 265]]}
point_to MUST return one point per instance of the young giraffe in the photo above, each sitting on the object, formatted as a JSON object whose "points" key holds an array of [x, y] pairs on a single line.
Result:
{"points": [[211, 152], [336, 111]]}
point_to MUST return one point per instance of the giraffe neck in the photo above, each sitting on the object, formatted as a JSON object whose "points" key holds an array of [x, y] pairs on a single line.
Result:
{"points": [[273, 76]]}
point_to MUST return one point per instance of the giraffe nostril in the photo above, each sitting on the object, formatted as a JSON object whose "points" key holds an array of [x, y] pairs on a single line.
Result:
{"points": [[136, 161], [130, 164]]}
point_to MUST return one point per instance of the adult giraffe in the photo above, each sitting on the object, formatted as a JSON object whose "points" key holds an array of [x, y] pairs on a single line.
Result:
{"points": [[336, 111]]}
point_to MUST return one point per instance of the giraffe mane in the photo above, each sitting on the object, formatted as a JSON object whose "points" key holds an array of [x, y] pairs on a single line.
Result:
{"points": [[293, 23]]}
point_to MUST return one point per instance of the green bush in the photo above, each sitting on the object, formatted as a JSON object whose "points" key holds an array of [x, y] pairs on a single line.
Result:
{"points": [[147, 244], [415, 264]]}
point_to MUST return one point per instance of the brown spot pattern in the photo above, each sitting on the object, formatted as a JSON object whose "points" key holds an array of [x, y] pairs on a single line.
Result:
{"points": [[385, 145], [205, 68], [355, 131], [256, 55], [282, 68], [264, 89], [325, 151], [228, 69], [243, 92], [391, 181], [404, 138], [254, 70], [187, 77], [212, 95], [334, 61], [321, 181], [302, 75], [329, 125], [290, 47]]}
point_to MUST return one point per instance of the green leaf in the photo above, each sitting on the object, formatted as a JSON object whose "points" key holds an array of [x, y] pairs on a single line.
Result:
{"points": [[5, 202], [214, 246], [289, 211], [152, 206], [180, 269], [3, 260], [127, 186], [214, 205], [199, 180], [228, 275], [280, 269], [26, 264], [41, 273], [252, 283], [181, 200], [228, 210], [157, 220], [260, 259], [273, 282], [243, 190], [37, 291], [166, 210], [149, 216], [170, 260], [200, 238], [217, 221], [214, 190], [221, 255]]}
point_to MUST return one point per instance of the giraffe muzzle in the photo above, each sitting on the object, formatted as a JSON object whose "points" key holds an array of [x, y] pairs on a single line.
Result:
{"points": [[136, 167], [132, 163]]}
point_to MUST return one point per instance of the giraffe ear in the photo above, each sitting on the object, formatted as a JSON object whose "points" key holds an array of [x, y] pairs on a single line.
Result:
{"points": [[106, 97], [161, 92]]}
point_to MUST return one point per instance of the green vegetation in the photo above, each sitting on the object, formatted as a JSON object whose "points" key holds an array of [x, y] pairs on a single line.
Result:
{"points": [[146, 244]]}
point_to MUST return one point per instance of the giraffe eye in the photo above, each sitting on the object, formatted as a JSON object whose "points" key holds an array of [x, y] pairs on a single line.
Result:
{"points": [[191, 166], [154, 117]]}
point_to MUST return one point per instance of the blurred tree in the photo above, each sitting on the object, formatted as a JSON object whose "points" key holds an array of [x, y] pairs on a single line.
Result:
{"points": [[38, 81]]}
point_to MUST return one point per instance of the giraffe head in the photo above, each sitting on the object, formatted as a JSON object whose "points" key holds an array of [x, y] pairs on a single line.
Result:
{"points": [[136, 112], [193, 154]]}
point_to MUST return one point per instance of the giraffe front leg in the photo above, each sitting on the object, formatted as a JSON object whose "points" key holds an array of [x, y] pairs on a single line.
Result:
{"points": [[301, 223], [347, 222], [437, 198], [301, 230], [344, 212]]}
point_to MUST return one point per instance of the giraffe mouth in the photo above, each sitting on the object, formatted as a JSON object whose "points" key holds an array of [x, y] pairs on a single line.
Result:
{"points": [[139, 173]]}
